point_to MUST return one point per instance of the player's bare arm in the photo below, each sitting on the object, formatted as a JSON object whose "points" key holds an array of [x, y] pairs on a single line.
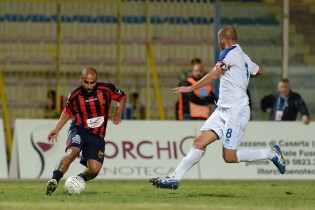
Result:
{"points": [[208, 78], [116, 119], [52, 137], [259, 73]]}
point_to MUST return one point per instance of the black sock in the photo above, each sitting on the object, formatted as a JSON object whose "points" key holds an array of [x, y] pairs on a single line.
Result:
{"points": [[83, 176], [57, 175]]}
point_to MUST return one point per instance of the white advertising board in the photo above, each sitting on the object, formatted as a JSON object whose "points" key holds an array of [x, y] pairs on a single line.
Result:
{"points": [[295, 139], [3, 154], [134, 149], [145, 149], [32, 156]]}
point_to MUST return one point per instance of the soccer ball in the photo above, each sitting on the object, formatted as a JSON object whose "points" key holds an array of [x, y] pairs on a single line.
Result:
{"points": [[75, 185]]}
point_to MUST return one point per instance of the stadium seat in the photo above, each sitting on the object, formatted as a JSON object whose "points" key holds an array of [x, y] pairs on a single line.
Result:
{"points": [[155, 20], [177, 34], [226, 21], [176, 20], [266, 21], [244, 21]]}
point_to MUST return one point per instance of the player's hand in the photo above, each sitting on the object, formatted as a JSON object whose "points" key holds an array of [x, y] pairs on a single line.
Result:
{"points": [[305, 120], [183, 89], [52, 137], [116, 119]]}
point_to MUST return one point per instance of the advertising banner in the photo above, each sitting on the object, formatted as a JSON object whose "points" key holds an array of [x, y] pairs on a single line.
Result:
{"points": [[295, 139], [134, 149], [3, 154], [145, 149], [33, 157]]}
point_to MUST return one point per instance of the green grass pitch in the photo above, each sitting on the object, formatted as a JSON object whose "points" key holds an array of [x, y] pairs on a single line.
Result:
{"points": [[138, 195]]}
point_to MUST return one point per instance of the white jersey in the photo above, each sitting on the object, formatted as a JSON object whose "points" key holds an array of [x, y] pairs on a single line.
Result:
{"points": [[234, 80]]}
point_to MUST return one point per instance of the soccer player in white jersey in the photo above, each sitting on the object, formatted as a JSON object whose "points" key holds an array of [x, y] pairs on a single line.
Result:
{"points": [[229, 120]]}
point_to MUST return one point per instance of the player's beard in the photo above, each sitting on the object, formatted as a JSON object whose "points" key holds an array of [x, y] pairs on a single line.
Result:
{"points": [[87, 92]]}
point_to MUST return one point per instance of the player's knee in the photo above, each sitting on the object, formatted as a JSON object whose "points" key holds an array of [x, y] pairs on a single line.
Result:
{"points": [[229, 155], [69, 158], [198, 144], [229, 158]]}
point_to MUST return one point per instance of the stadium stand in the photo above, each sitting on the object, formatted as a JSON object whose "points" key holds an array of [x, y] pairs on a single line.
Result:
{"points": [[89, 37]]}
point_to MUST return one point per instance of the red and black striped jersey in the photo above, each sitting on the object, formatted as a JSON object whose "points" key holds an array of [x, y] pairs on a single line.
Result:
{"points": [[91, 112]]}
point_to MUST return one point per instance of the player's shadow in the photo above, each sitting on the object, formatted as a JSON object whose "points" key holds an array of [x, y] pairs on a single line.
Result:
{"points": [[96, 193], [214, 195], [171, 195]]}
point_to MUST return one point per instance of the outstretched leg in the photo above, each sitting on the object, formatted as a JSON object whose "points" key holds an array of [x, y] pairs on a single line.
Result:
{"points": [[194, 155], [233, 133], [92, 170], [274, 154], [247, 155]]}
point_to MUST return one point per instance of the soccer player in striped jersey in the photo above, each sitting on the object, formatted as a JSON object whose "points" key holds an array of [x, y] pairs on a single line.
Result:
{"points": [[229, 120], [88, 106]]}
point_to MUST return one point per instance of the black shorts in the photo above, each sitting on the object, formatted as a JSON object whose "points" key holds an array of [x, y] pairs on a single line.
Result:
{"points": [[92, 146]]}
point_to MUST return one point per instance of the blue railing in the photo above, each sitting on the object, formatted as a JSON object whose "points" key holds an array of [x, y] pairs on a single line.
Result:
{"points": [[137, 19]]}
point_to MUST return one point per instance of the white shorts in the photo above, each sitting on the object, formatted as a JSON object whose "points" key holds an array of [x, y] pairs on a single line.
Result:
{"points": [[229, 124]]}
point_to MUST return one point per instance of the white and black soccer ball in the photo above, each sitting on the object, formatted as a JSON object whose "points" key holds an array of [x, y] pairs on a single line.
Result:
{"points": [[75, 185]]}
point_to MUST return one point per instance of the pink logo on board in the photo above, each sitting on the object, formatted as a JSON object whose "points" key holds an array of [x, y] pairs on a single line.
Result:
{"points": [[40, 144]]}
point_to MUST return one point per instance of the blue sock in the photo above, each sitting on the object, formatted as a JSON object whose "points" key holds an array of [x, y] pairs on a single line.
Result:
{"points": [[83, 176], [57, 175]]}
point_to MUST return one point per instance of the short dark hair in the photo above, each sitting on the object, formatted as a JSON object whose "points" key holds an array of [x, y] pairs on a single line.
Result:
{"points": [[135, 95], [284, 80], [196, 61], [51, 93]]}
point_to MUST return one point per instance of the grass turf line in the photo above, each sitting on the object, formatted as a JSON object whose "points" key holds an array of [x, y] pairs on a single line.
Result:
{"points": [[129, 195]]}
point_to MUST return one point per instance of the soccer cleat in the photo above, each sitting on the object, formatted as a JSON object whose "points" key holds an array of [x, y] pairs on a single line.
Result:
{"points": [[51, 186], [278, 160], [165, 182]]}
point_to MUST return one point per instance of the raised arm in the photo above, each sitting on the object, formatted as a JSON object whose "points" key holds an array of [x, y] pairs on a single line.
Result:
{"points": [[208, 78], [259, 73]]}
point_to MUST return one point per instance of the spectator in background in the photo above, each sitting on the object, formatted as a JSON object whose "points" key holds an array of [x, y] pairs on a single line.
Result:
{"points": [[285, 104], [195, 105], [134, 109], [50, 105]]}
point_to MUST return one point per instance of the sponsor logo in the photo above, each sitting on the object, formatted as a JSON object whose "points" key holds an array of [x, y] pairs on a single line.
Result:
{"points": [[95, 122], [100, 154], [92, 99], [40, 144], [67, 103], [148, 149], [118, 91], [76, 139]]}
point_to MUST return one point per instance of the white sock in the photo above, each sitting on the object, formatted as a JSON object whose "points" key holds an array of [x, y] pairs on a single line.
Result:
{"points": [[193, 157], [246, 155]]}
